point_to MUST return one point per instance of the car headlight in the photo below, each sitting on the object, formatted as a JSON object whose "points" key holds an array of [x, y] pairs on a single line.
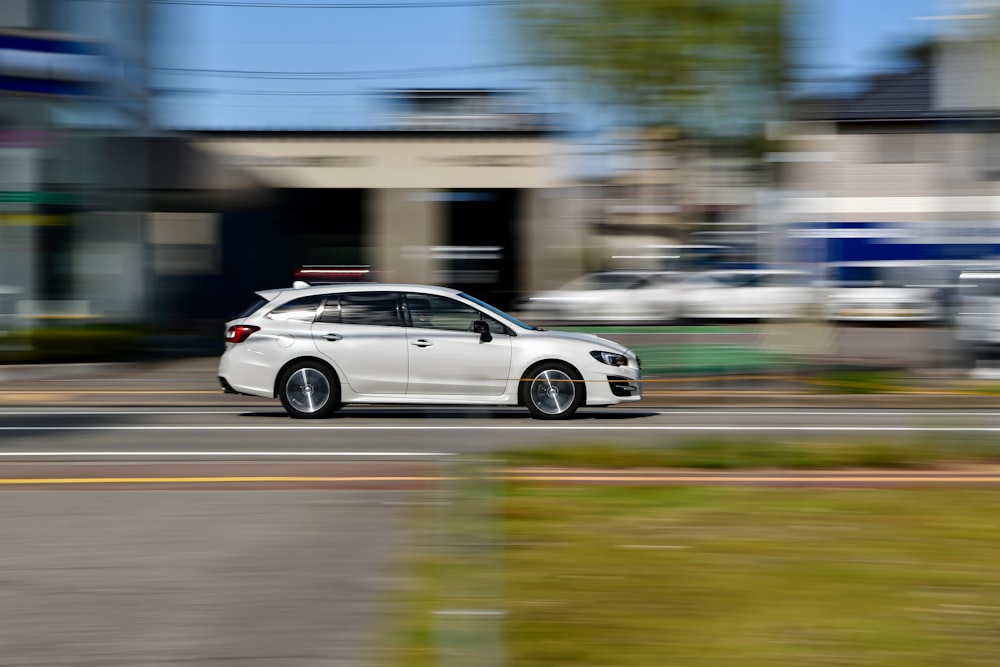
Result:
{"points": [[610, 358]]}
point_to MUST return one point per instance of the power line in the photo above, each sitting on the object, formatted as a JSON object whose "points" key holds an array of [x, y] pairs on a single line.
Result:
{"points": [[335, 75], [215, 91]]}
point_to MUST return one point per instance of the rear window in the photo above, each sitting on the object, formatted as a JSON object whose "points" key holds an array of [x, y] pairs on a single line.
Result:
{"points": [[251, 309], [302, 309]]}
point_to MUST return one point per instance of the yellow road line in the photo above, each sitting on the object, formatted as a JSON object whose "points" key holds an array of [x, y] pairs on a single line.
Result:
{"points": [[208, 480], [702, 479]]}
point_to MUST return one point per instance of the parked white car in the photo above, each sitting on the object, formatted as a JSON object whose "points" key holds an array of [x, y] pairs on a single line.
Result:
{"points": [[887, 292], [751, 294], [319, 347], [607, 296]]}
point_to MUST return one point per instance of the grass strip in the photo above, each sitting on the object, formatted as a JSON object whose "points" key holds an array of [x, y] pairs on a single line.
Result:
{"points": [[729, 453], [697, 576]]}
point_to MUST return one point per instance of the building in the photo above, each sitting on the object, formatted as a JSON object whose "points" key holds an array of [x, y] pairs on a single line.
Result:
{"points": [[458, 192], [908, 166]]}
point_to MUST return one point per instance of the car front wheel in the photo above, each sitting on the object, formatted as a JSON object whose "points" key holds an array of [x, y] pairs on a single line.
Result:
{"points": [[309, 390], [552, 391]]}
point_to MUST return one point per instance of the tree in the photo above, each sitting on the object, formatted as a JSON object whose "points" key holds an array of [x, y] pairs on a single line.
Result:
{"points": [[710, 67]]}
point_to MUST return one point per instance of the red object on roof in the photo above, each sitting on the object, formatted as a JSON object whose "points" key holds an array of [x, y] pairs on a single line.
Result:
{"points": [[329, 274]]}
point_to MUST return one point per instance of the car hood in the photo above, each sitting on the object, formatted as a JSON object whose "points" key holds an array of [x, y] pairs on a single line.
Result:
{"points": [[597, 341]]}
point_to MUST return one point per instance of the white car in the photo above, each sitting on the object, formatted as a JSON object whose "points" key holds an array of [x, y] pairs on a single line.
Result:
{"points": [[608, 296], [746, 294], [319, 347], [887, 291]]}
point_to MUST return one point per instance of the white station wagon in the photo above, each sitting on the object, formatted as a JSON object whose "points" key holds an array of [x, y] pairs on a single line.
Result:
{"points": [[319, 347]]}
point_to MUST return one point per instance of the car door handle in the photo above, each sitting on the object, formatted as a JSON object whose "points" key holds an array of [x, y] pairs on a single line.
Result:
{"points": [[332, 336], [422, 342]]}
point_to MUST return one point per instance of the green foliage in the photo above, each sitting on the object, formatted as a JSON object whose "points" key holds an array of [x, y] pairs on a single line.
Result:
{"points": [[719, 453], [743, 577], [710, 66], [860, 381]]}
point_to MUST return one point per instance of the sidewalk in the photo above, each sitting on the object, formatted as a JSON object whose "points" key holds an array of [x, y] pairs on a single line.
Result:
{"points": [[192, 381]]}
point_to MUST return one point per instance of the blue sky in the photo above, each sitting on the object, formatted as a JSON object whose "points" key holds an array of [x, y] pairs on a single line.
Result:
{"points": [[466, 45]]}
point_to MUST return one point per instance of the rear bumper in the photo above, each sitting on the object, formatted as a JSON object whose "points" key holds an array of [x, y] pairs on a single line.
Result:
{"points": [[226, 387]]}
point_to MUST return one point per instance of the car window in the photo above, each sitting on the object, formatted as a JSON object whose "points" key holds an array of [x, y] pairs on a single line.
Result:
{"points": [[736, 279], [375, 308], [431, 311], [618, 280], [602, 281], [251, 309], [302, 309], [788, 280], [707, 281], [330, 314]]}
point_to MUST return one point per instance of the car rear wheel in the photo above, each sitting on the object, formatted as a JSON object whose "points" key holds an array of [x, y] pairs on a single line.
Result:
{"points": [[309, 390], [552, 391]]}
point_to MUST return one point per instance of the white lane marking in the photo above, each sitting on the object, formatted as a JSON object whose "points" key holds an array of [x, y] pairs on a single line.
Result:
{"points": [[467, 427], [227, 454]]}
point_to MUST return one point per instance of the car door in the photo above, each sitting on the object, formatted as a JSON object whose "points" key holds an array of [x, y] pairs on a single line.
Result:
{"points": [[362, 334], [446, 357]]}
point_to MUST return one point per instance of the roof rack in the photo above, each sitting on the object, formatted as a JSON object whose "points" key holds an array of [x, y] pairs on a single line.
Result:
{"points": [[330, 274]]}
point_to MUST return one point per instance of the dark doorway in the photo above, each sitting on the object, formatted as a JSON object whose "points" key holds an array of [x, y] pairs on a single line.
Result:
{"points": [[482, 252], [262, 249]]}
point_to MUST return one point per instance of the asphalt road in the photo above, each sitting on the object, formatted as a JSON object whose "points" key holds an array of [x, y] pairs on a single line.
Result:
{"points": [[203, 578], [408, 433]]}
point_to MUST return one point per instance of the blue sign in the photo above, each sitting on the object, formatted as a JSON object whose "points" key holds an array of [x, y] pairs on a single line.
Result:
{"points": [[47, 65]]}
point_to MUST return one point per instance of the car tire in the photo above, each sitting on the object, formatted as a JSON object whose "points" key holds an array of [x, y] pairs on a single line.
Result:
{"points": [[309, 390], [552, 390]]}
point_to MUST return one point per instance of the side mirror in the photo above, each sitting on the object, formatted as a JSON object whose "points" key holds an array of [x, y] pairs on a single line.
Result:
{"points": [[483, 329]]}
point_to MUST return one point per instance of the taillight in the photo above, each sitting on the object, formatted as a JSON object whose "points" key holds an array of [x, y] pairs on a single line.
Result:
{"points": [[240, 332]]}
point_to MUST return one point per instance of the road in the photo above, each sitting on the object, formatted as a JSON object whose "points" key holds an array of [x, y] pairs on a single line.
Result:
{"points": [[407, 433], [149, 520]]}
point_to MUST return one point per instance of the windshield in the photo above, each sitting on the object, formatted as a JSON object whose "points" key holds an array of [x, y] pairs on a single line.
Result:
{"points": [[496, 311], [602, 281]]}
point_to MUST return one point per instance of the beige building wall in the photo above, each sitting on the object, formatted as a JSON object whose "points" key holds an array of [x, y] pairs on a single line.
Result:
{"points": [[933, 178], [406, 177], [552, 238], [404, 227], [390, 162]]}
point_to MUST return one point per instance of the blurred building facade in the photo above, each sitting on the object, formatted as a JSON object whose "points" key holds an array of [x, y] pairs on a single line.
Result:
{"points": [[46, 74], [673, 202], [911, 162], [459, 193]]}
